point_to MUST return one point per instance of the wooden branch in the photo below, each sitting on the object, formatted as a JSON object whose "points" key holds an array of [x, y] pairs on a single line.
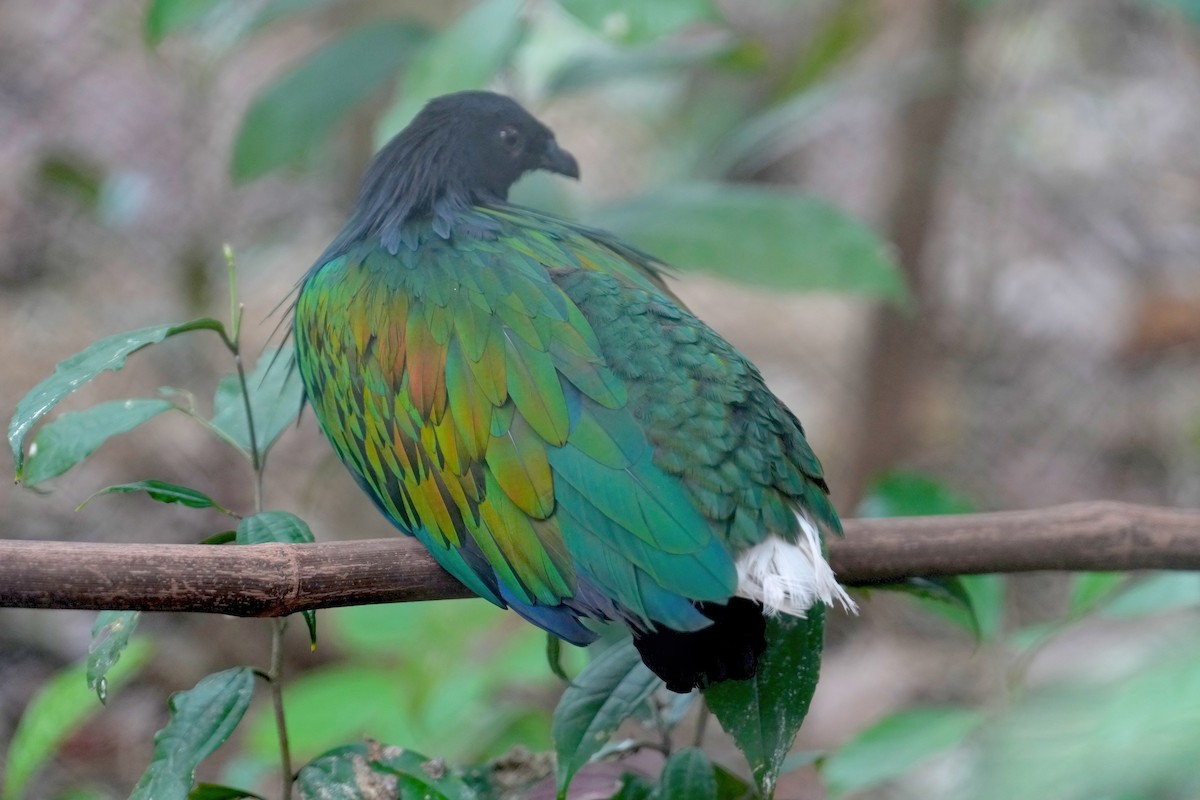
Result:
{"points": [[276, 579]]}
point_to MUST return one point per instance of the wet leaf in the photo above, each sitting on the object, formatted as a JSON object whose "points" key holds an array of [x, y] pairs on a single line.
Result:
{"points": [[74, 436], [108, 354], [607, 691], [202, 718], [764, 713], [110, 637]]}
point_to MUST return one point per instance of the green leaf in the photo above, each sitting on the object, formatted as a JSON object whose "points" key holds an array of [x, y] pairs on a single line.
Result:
{"points": [[300, 110], [333, 705], [162, 492], [732, 787], [972, 602], [1158, 593], [637, 21], [608, 690], [224, 537], [58, 709], [1090, 589], [554, 657], [274, 526], [73, 437], [110, 637], [1188, 9], [211, 791], [466, 55], [276, 395], [895, 745], [842, 32], [764, 713], [1126, 730], [285, 528], [688, 775], [911, 494], [633, 787], [375, 770], [276, 10], [165, 17], [775, 238], [108, 354], [591, 69], [202, 718]]}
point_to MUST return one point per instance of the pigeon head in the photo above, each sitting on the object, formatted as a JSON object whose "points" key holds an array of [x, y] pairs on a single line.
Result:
{"points": [[461, 150]]}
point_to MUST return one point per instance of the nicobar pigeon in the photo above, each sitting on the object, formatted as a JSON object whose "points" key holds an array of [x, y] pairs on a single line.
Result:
{"points": [[526, 396]]}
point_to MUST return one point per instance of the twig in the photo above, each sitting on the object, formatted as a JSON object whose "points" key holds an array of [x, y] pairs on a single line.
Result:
{"points": [[276, 579]]}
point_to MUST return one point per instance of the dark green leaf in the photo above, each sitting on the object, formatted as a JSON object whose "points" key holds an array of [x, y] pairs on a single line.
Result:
{"points": [[764, 713], [731, 787], [633, 787], [162, 492], [637, 21], [554, 657], [310, 623], [73, 437], [110, 637], [284, 528], [608, 690], [57, 710], [202, 718], [1090, 589], [895, 745], [274, 526], [774, 238], [375, 770], [276, 393], [165, 17], [911, 494], [688, 775], [71, 373], [73, 175], [588, 70], [300, 110], [466, 55], [211, 791], [224, 537], [973, 602]]}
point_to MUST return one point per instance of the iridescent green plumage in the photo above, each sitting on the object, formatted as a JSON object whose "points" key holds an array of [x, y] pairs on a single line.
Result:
{"points": [[527, 398]]}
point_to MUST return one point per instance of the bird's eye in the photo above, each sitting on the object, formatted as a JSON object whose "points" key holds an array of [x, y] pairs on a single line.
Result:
{"points": [[511, 138]]}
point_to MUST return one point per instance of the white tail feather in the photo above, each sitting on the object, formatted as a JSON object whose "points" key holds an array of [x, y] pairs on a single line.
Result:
{"points": [[790, 578]]}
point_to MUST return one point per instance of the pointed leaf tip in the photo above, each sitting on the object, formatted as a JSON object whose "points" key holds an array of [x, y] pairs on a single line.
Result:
{"points": [[106, 355]]}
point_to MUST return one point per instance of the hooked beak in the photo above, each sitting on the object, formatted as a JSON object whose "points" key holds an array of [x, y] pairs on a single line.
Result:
{"points": [[555, 159]]}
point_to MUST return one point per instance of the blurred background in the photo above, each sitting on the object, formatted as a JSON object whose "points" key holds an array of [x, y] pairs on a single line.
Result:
{"points": [[1029, 172]]}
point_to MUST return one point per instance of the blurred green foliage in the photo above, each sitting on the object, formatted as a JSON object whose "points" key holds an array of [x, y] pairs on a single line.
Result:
{"points": [[717, 106]]}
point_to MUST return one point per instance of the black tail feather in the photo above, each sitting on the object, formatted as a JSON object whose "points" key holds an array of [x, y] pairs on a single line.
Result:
{"points": [[726, 650]]}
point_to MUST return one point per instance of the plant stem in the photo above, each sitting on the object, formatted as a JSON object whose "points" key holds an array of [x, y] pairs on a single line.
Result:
{"points": [[701, 724], [276, 683]]}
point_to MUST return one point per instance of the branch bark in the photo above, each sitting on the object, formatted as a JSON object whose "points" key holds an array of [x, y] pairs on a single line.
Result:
{"points": [[277, 579]]}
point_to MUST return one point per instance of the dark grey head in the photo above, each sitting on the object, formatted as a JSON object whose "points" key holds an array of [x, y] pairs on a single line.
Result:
{"points": [[485, 141], [463, 149]]}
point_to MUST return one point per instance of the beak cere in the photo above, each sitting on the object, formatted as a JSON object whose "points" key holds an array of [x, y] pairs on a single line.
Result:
{"points": [[555, 159]]}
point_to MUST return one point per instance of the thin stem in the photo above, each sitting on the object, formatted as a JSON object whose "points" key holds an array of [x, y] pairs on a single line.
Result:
{"points": [[276, 682], [701, 723], [255, 459]]}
